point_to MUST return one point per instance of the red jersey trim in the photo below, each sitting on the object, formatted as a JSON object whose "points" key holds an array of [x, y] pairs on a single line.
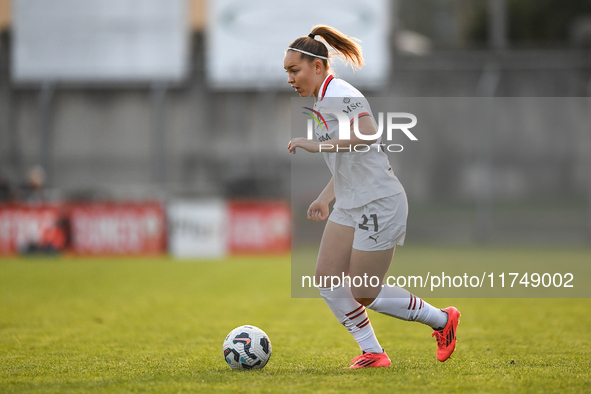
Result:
{"points": [[328, 80]]}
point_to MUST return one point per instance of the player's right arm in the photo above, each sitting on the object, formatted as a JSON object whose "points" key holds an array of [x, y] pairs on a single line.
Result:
{"points": [[318, 210]]}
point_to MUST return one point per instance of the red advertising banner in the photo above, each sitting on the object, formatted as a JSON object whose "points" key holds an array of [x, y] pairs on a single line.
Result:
{"points": [[86, 229], [118, 229], [259, 227], [25, 226], [252, 227]]}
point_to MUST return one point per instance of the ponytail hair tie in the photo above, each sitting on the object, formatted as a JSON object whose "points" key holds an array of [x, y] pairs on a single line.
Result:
{"points": [[311, 35]]}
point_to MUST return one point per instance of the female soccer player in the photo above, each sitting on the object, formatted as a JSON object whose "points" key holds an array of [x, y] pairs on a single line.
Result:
{"points": [[369, 216]]}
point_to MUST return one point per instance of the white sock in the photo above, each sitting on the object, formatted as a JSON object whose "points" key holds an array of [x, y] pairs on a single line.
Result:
{"points": [[353, 316], [400, 303]]}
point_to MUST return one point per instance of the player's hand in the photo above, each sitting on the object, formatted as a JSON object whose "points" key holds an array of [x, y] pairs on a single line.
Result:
{"points": [[304, 143], [317, 211]]}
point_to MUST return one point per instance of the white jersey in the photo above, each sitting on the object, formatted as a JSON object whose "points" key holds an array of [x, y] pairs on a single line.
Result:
{"points": [[359, 177]]}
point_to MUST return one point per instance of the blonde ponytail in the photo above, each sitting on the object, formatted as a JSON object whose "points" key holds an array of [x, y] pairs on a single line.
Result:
{"points": [[343, 45]]}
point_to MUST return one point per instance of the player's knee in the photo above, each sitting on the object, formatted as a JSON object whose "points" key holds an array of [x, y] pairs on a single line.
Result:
{"points": [[364, 301]]}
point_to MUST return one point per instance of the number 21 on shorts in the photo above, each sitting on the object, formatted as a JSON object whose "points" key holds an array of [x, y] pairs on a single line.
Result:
{"points": [[374, 218]]}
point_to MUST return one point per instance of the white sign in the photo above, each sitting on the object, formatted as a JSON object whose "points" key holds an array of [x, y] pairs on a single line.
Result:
{"points": [[197, 228], [100, 40], [246, 40]]}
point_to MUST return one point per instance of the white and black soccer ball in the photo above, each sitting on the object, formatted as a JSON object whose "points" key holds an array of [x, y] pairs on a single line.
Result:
{"points": [[247, 347]]}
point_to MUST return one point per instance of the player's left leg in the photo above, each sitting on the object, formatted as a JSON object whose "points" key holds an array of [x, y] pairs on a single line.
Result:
{"points": [[367, 271], [390, 300], [381, 225]]}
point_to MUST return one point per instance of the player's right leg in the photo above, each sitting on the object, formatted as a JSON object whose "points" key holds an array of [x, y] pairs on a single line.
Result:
{"points": [[333, 261]]}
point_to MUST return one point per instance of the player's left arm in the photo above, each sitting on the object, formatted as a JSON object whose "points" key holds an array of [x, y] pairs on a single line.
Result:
{"points": [[366, 127]]}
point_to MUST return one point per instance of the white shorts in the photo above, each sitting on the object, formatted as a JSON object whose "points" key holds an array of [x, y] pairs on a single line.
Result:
{"points": [[379, 225]]}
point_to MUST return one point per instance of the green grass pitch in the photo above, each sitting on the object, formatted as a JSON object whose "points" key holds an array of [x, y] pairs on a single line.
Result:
{"points": [[157, 325]]}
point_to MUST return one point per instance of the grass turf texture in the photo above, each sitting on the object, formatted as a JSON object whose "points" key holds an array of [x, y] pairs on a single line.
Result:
{"points": [[156, 325]]}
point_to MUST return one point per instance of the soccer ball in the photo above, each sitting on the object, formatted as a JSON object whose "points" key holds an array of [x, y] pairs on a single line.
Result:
{"points": [[247, 347]]}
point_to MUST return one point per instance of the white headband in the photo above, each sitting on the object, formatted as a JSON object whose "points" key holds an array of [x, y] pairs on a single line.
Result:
{"points": [[308, 53]]}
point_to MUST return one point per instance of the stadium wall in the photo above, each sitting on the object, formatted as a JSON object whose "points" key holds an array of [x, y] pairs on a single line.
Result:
{"points": [[102, 141]]}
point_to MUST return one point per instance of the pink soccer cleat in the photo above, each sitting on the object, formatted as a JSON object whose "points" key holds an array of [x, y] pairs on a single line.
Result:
{"points": [[371, 360], [446, 338]]}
